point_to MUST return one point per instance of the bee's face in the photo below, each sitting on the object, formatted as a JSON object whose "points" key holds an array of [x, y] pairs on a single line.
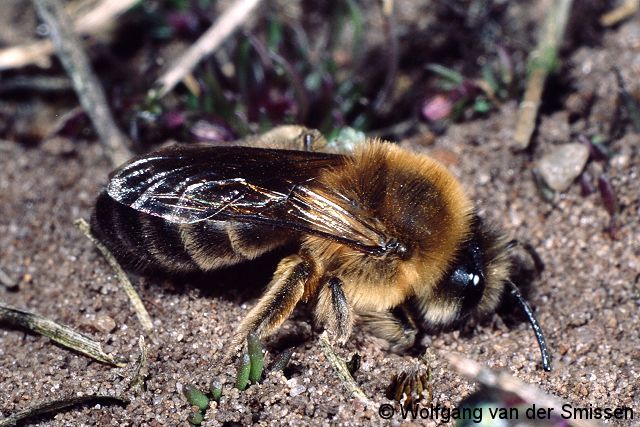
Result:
{"points": [[474, 281]]}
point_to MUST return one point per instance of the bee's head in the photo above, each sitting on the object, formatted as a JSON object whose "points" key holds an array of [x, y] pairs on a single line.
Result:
{"points": [[475, 282]]}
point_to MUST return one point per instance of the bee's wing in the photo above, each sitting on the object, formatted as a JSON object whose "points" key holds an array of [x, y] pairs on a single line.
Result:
{"points": [[243, 184]]}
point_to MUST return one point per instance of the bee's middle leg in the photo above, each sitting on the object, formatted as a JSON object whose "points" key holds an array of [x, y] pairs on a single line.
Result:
{"points": [[283, 294]]}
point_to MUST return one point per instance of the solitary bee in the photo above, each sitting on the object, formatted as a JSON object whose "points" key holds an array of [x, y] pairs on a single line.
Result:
{"points": [[377, 231]]}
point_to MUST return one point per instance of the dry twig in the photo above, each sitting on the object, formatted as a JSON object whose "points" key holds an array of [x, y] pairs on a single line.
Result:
{"points": [[61, 334], [620, 13], [141, 370], [226, 24], [392, 60], [343, 372], [55, 405], [87, 86], [138, 306], [541, 62]]}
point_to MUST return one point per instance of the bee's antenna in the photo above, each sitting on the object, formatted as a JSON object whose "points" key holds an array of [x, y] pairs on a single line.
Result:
{"points": [[546, 358]]}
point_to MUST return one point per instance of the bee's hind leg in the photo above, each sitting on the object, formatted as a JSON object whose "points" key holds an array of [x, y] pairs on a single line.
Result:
{"points": [[396, 327], [274, 307]]}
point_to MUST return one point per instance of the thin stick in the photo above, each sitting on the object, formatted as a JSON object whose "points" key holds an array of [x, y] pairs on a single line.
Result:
{"points": [[620, 13], [503, 381], [102, 15], [343, 372], [33, 53], [391, 40], [87, 86], [54, 405], [39, 52], [61, 334], [138, 306], [541, 62], [226, 24]]}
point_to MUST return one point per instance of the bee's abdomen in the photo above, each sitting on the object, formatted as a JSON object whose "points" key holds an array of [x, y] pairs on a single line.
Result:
{"points": [[146, 243]]}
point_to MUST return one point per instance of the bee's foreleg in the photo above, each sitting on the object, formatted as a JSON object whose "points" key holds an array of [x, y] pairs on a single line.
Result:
{"points": [[285, 290], [334, 311], [396, 327]]}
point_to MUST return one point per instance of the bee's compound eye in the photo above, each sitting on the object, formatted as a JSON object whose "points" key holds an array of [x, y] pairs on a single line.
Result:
{"points": [[465, 284]]}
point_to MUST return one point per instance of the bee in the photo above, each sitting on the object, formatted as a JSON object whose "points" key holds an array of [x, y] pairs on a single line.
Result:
{"points": [[375, 233]]}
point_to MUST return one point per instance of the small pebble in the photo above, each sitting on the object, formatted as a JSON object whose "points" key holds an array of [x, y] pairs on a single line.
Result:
{"points": [[563, 164], [104, 324], [297, 390]]}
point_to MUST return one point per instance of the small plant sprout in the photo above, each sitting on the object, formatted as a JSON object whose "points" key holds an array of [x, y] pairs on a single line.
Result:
{"points": [[256, 358], [242, 379]]}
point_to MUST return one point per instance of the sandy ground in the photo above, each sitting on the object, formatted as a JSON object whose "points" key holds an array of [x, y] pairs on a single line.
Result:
{"points": [[587, 299]]}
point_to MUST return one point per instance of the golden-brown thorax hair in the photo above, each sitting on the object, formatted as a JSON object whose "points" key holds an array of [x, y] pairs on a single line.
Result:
{"points": [[414, 200]]}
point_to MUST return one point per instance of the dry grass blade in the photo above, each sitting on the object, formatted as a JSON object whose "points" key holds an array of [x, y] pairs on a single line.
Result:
{"points": [[226, 24], [61, 334], [34, 53], [138, 306], [541, 62], [392, 62], [343, 372], [620, 13], [85, 83], [102, 15], [55, 405]]}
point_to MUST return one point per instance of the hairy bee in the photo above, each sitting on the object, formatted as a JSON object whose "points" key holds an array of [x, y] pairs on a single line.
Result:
{"points": [[377, 231]]}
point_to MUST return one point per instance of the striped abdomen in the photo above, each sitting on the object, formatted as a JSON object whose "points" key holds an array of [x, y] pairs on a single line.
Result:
{"points": [[144, 243]]}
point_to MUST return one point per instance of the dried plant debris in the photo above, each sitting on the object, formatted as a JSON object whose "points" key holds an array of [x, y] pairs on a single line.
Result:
{"points": [[342, 370], [88, 88], [542, 61], [141, 369], [610, 202], [125, 283], [629, 102], [53, 406], [282, 360], [410, 387], [61, 334], [625, 10]]}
